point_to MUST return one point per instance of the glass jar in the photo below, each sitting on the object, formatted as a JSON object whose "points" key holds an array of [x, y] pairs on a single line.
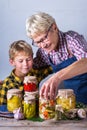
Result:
{"points": [[14, 99], [29, 106], [30, 84], [66, 98], [46, 108], [36, 95], [58, 112]]}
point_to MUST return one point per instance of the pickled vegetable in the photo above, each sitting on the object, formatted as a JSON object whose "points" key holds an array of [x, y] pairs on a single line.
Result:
{"points": [[14, 99], [46, 109], [66, 99], [29, 110], [13, 103], [29, 106], [67, 103]]}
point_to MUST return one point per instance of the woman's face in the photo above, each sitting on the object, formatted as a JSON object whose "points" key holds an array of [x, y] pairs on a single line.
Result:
{"points": [[49, 40]]}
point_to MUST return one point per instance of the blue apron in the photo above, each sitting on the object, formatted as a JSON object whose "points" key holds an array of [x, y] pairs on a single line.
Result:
{"points": [[77, 83]]}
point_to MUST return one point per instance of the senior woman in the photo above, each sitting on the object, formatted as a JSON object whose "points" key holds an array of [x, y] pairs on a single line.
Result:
{"points": [[62, 51]]}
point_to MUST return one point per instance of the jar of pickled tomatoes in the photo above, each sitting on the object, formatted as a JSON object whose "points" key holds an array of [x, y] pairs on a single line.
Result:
{"points": [[66, 98], [30, 84]]}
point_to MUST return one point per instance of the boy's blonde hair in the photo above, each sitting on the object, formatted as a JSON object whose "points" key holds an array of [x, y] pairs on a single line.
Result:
{"points": [[20, 46], [38, 24]]}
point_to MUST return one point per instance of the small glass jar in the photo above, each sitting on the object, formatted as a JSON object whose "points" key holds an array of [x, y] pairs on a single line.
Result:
{"points": [[66, 98], [58, 112], [46, 108], [29, 106], [14, 99]]}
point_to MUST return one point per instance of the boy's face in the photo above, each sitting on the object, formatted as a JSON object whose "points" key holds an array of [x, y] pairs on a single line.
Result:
{"points": [[22, 63]]}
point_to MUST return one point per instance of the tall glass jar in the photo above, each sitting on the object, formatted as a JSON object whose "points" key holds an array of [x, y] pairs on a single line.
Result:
{"points": [[29, 106], [14, 99], [35, 94], [46, 108], [66, 98]]}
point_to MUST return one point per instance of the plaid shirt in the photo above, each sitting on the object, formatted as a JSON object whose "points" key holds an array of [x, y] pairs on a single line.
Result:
{"points": [[70, 43], [13, 81]]}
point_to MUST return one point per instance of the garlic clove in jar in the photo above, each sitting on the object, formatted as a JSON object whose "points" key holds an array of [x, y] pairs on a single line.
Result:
{"points": [[81, 113]]}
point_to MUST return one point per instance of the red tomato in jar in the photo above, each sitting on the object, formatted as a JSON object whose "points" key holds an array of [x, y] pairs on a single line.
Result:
{"points": [[30, 87]]}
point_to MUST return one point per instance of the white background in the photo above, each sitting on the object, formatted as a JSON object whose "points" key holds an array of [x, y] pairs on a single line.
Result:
{"points": [[69, 15]]}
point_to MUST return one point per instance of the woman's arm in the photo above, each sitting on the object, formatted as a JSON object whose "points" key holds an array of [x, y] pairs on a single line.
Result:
{"points": [[77, 68], [50, 86]]}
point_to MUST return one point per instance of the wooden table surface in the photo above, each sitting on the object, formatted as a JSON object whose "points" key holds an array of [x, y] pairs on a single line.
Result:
{"points": [[13, 124]]}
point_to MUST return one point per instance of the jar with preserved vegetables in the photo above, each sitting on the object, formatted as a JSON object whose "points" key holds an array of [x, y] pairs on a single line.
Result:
{"points": [[36, 95], [30, 84], [46, 108], [58, 112], [29, 106], [66, 98], [14, 99]]}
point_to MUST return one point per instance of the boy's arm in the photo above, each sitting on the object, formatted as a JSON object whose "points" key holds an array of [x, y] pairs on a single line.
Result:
{"points": [[3, 94]]}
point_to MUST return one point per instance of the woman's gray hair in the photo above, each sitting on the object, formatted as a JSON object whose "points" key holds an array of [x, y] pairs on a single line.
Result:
{"points": [[38, 24]]}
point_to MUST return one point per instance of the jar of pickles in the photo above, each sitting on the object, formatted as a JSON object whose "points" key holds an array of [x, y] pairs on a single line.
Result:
{"points": [[36, 95], [46, 108], [66, 98], [29, 106], [14, 99]]}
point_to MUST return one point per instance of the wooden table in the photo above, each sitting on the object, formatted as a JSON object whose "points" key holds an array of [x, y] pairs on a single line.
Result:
{"points": [[13, 124]]}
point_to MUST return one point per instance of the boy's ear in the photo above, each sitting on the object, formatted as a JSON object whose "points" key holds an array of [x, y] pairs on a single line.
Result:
{"points": [[11, 62]]}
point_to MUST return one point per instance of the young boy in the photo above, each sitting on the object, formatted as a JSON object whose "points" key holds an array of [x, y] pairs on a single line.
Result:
{"points": [[21, 58]]}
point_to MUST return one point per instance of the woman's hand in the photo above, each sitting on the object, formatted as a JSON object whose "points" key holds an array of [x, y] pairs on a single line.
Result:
{"points": [[50, 87]]}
